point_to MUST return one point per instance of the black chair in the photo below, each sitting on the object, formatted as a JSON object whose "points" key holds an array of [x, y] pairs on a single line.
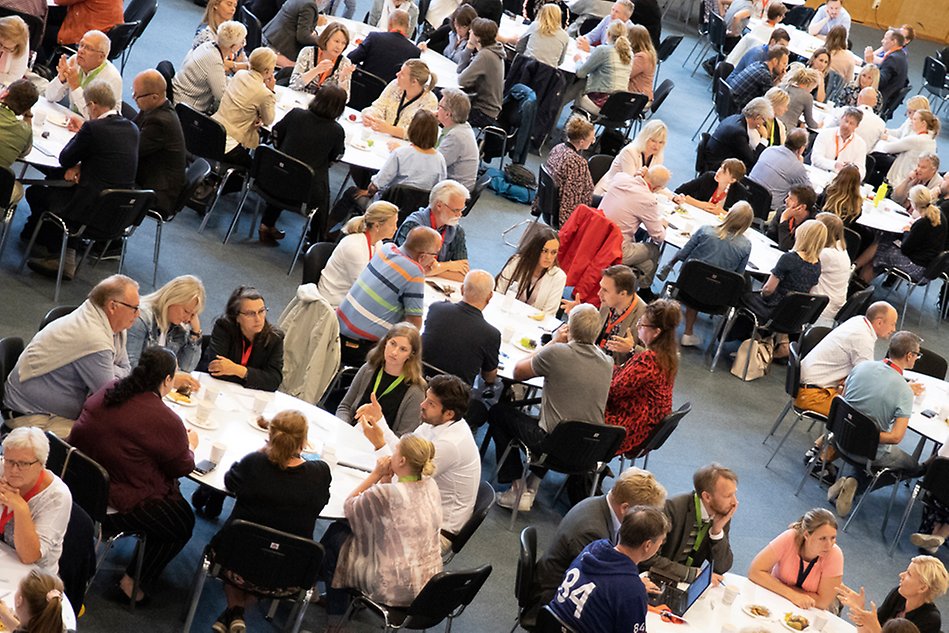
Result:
{"points": [[77, 562], [315, 260], [667, 47], [930, 363], [711, 290], [408, 199], [548, 622], [483, 503], [854, 243], [620, 111], [255, 29], [53, 314], [934, 81], [656, 438], [599, 164], [205, 137], [934, 485], [760, 200], [702, 161], [273, 563], [716, 40], [548, 197], [799, 17], [59, 454], [524, 579], [894, 102], [167, 70], [856, 304], [871, 165], [444, 597], [141, 11], [480, 185], [282, 181], [572, 448], [659, 95], [493, 143], [364, 88], [10, 349], [7, 207], [121, 36], [114, 216], [35, 24], [723, 102], [195, 174], [937, 269]]}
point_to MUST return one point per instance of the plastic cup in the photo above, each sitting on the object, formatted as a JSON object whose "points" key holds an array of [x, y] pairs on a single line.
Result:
{"points": [[730, 594], [211, 394], [507, 303], [260, 403], [508, 333], [217, 452], [819, 621], [39, 118], [204, 411]]}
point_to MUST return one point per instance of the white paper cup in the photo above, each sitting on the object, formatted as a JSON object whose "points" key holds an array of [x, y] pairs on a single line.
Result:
{"points": [[39, 118], [819, 621], [204, 411], [509, 331], [217, 452], [260, 403], [730, 594], [211, 394]]}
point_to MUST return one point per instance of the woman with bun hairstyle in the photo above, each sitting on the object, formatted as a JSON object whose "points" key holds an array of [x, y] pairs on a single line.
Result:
{"points": [[127, 428], [37, 605], [277, 488], [409, 92]]}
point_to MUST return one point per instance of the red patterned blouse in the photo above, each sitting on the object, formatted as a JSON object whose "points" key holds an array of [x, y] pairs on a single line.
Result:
{"points": [[640, 397]]}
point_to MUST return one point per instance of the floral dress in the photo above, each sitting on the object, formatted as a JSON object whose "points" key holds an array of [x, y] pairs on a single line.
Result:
{"points": [[572, 175], [309, 58]]}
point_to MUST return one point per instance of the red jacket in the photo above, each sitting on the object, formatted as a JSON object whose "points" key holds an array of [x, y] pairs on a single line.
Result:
{"points": [[589, 242]]}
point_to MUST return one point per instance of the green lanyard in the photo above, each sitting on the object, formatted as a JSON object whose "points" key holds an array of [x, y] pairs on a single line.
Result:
{"points": [[85, 80], [395, 383], [703, 528]]}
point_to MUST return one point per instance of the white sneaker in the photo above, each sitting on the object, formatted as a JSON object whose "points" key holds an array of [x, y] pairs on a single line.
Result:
{"points": [[507, 498], [845, 498], [834, 491], [929, 542], [690, 340]]}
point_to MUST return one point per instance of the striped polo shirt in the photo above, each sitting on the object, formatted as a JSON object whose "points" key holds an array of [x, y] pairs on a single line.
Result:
{"points": [[388, 289]]}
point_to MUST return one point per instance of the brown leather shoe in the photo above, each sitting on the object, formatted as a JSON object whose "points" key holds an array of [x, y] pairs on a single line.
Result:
{"points": [[49, 267], [263, 234]]}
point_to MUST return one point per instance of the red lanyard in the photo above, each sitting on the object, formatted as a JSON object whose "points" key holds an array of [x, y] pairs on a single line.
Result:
{"points": [[8, 514], [885, 55], [369, 244], [890, 364], [246, 349], [837, 146], [608, 328], [431, 220]]}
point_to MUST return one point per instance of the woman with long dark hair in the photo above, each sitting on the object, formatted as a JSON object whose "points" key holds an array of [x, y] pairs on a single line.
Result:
{"points": [[245, 348], [532, 272], [641, 390], [142, 444]]}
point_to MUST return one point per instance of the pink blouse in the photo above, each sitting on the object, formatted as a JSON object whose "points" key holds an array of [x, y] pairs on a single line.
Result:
{"points": [[786, 570], [642, 75]]}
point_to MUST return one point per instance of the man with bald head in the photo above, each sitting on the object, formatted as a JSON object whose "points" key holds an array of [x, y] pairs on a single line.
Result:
{"points": [[631, 202], [75, 73], [475, 352], [390, 289], [161, 143]]}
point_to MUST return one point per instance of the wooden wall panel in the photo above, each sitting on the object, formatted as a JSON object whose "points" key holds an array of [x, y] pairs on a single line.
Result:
{"points": [[930, 18]]}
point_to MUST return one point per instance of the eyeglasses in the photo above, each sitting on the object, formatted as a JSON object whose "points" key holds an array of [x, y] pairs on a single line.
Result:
{"points": [[88, 47], [20, 465], [253, 313], [918, 355], [642, 323], [429, 254], [128, 305], [452, 209]]}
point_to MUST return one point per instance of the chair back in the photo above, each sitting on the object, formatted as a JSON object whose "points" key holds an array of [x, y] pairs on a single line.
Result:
{"points": [[55, 313], [931, 364], [799, 17], [599, 164], [315, 260], [115, 212], [480, 185], [668, 46], [854, 242], [723, 99], [121, 35], [141, 11], [59, 453], [934, 74], [621, 108], [659, 94], [871, 165], [204, 136], [10, 349], [7, 180], [254, 28], [483, 503], [707, 288], [856, 437], [716, 31], [856, 304], [758, 197], [894, 102], [936, 480], [548, 622], [938, 266], [195, 174], [548, 197], [77, 562], [408, 199], [267, 559], [526, 568], [282, 179], [575, 447], [811, 337], [167, 70], [493, 143], [88, 482], [662, 431], [34, 24], [364, 88], [701, 154], [446, 594], [792, 379], [795, 311]]}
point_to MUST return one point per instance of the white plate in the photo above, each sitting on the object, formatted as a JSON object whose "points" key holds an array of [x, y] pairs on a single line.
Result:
{"points": [[747, 610], [361, 145], [181, 404], [209, 424], [791, 628], [517, 343], [252, 423], [58, 119]]}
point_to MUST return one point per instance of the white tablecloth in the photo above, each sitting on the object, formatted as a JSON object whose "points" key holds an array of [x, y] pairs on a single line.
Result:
{"points": [[934, 398], [515, 27], [888, 216], [12, 571], [46, 150]]}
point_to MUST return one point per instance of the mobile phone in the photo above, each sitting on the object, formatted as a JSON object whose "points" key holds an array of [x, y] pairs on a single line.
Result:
{"points": [[929, 413], [204, 467]]}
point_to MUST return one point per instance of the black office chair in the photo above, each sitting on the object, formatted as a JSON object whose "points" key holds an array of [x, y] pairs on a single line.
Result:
{"points": [[195, 174], [934, 485], [599, 164], [255, 29], [524, 579], [930, 363], [480, 185], [364, 88], [483, 503], [856, 304], [760, 200], [167, 70], [114, 216], [121, 36], [315, 260], [10, 349], [656, 438]]}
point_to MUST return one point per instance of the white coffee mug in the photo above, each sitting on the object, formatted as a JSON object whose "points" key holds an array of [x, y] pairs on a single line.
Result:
{"points": [[730, 594], [217, 452], [204, 412]]}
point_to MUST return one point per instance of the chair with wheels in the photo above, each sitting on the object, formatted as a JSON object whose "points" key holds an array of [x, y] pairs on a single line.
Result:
{"points": [[315, 260], [656, 438], [572, 448], [855, 305], [935, 487], [937, 269], [282, 181], [444, 597], [364, 88], [480, 185], [195, 174], [524, 580], [599, 164], [483, 503], [276, 565], [930, 363]]}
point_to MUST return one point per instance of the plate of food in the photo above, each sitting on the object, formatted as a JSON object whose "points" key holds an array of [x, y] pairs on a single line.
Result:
{"points": [[364, 145], [182, 396], [259, 423], [795, 622], [757, 611], [210, 424], [527, 343]]}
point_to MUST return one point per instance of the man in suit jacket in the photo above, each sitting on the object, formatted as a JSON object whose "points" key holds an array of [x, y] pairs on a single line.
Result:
{"points": [[700, 524], [106, 149], [593, 519], [742, 136], [161, 143], [894, 70], [383, 54]]}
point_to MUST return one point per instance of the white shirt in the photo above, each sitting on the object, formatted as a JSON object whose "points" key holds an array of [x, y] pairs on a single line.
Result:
{"points": [[871, 126], [57, 90], [830, 362], [457, 467], [835, 271], [829, 148], [349, 258]]}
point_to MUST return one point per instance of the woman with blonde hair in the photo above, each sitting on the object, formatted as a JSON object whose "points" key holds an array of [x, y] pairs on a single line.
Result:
{"points": [[389, 564], [800, 84], [364, 234], [216, 12], [913, 105], [803, 564], [869, 77], [324, 63], [409, 92], [924, 580], [835, 268], [924, 129], [842, 196], [570, 169], [606, 70], [481, 72], [37, 605], [391, 375], [714, 191], [545, 40], [645, 61], [777, 131], [646, 150], [280, 487], [170, 318], [922, 241], [724, 246], [14, 49], [248, 104], [202, 79]]}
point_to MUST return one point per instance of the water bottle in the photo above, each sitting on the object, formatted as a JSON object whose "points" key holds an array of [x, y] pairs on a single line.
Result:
{"points": [[881, 194]]}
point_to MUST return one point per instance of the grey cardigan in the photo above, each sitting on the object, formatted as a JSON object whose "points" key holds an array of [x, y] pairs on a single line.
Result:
{"points": [[408, 417], [482, 77], [292, 28]]}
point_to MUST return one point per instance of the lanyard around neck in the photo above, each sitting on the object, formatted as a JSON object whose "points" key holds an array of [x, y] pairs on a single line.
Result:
{"points": [[702, 528], [837, 148], [611, 324], [802, 572], [395, 383]]}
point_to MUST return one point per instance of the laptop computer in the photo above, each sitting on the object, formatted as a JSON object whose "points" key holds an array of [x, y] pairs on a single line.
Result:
{"points": [[679, 596]]}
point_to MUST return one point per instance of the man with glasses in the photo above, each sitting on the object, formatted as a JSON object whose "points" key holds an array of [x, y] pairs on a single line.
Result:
{"points": [[446, 203], [72, 358], [161, 143], [879, 390], [74, 74]]}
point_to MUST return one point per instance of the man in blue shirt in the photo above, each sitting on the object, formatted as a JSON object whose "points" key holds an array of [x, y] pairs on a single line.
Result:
{"points": [[758, 78], [621, 11], [827, 17], [779, 37], [601, 591], [781, 167]]}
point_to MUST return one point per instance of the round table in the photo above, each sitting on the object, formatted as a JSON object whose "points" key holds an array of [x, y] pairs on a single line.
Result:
{"points": [[935, 398], [12, 571], [234, 423], [46, 149], [709, 614]]}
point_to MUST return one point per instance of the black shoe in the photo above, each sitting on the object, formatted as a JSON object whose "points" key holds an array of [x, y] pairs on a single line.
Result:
{"points": [[200, 497], [115, 594], [827, 476], [214, 504], [709, 66], [810, 454]]}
